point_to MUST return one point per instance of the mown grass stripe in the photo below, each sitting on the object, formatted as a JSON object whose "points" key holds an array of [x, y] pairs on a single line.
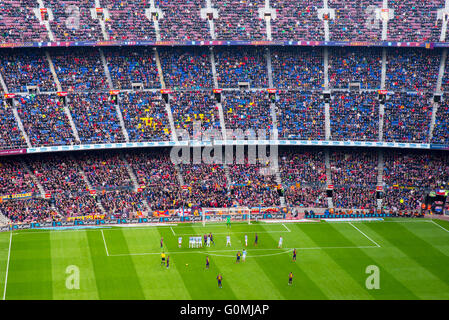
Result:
{"points": [[356, 261], [157, 281], [335, 282], [277, 270], [201, 283], [428, 272], [30, 269], [71, 256], [115, 277]]}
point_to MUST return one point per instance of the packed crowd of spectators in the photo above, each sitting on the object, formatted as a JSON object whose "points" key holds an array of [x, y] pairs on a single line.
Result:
{"points": [[60, 176], [10, 135], [242, 64], [297, 68], [297, 20], [239, 19], [145, 116], [95, 118], [253, 185], [79, 69], [106, 172], [28, 210], [412, 70], [182, 20], [301, 115], [247, 111], [354, 116], [186, 69], [132, 65], [355, 65], [354, 176], [72, 20], [415, 20], [355, 20], [156, 173], [441, 129], [207, 183], [303, 175], [122, 203], [45, 121], [26, 68], [407, 118], [408, 177], [14, 179], [193, 107], [128, 20], [19, 23]]}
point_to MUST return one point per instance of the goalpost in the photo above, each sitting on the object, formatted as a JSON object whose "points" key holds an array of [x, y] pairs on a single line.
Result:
{"points": [[233, 212]]}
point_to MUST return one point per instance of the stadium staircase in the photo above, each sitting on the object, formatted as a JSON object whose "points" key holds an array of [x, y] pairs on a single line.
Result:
{"points": [[262, 11], [204, 12], [101, 21], [330, 203], [33, 177], [444, 21], [220, 112], [4, 220], [148, 14], [89, 186], [437, 91], [3, 84], [111, 87], [135, 183], [58, 86], [20, 124], [382, 87], [275, 135], [327, 121], [45, 23], [385, 21], [380, 175]]}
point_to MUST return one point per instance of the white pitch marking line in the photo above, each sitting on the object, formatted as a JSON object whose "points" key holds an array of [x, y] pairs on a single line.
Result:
{"points": [[207, 252], [365, 235], [439, 226], [173, 231], [192, 234], [286, 227], [104, 241], [7, 267]]}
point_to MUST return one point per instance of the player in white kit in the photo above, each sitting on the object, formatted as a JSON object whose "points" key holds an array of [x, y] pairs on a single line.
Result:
{"points": [[280, 242], [228, 240], [179, 241], [246, 240], [244, 255], [208, 241]]}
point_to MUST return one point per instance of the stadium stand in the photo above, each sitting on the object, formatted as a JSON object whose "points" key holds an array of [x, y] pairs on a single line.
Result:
{"points": [[128, 66], [145, 116], [354, 116], [301, 115]]}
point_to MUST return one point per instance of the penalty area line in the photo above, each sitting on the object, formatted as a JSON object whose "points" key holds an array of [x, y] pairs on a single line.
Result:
{"points": [[104, 241], [365, 235], [439, 226]]}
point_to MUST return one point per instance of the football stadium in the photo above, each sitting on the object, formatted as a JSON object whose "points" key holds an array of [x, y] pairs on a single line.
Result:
{"points": [[224, 150]]}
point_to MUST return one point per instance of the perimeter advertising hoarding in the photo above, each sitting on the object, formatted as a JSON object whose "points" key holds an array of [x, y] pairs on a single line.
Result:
{"points": [[12, 152]]}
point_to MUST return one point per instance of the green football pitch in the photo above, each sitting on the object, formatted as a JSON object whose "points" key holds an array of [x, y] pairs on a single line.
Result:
{"points": [[410, 255]]}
